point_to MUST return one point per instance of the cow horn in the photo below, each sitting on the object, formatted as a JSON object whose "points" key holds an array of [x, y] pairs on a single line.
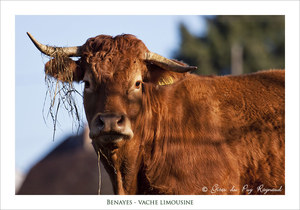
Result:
{"points": [[48, 50], [167, 64]]}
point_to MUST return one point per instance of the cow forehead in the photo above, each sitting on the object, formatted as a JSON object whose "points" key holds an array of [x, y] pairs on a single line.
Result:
{"points": [[118, 59], [116, 50], [114, 68]]}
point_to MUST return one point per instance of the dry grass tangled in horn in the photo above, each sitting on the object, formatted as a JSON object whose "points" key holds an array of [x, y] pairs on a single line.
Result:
{"points": [[61, 94]]}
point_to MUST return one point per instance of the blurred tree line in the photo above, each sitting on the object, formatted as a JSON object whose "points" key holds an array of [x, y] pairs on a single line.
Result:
{"points": [[235, 44]]}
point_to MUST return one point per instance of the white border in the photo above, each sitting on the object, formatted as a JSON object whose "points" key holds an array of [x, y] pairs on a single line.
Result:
{"points": [[8, 11]]}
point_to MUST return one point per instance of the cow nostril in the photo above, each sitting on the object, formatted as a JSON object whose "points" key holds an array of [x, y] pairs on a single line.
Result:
{"points": [[100, 123], [121, 120]]}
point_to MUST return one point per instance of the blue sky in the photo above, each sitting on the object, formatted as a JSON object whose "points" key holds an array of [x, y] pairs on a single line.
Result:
{"points": [[33, 134]]}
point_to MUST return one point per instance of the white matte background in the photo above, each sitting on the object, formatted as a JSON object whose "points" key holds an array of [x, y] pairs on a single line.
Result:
{"points": [[8, 11]]}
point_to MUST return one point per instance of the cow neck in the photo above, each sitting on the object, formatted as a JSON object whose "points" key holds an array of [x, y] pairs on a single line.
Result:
{"points": [[153, 132], [123, 165]]}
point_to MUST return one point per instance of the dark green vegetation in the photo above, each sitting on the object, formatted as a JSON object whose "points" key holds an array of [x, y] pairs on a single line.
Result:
{"points": [[235, 45]]}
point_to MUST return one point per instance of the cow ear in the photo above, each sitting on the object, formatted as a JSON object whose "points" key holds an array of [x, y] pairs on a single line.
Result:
{"points": [[64, 69], [159, 76]]}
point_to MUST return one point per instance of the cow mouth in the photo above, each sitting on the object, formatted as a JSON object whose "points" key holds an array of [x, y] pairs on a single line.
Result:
{"points": [[111, 138]]}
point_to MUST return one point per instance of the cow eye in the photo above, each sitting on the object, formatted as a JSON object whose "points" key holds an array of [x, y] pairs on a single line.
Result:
{"points": [[86, 84], [138, 84]]}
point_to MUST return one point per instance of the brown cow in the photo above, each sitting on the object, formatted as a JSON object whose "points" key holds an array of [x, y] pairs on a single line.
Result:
{"points": [[161, 130]]}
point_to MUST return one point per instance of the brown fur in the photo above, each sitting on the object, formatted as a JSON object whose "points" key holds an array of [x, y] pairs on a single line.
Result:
{"points": [[217, 130], [197, 132]]}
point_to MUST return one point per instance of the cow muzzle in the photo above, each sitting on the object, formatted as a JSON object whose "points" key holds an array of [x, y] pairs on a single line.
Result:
{"points": [[110, 128]]}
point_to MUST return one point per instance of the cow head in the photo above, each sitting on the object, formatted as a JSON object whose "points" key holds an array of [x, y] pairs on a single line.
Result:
{"points": [[114, 71]]}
